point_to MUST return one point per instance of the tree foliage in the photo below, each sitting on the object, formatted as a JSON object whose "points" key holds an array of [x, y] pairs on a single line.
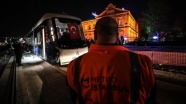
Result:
{"points": [[158, 18]]}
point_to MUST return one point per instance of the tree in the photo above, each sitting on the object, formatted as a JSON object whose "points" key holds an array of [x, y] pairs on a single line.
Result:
{"points": [[153, 19], [179, 30]]}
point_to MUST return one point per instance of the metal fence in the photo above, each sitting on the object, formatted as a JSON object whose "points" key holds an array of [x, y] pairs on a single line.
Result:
{"points": [[166, 58]]}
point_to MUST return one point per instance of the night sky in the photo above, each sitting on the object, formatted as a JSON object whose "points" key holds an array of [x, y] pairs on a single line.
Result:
{"points": [[17, 18]]}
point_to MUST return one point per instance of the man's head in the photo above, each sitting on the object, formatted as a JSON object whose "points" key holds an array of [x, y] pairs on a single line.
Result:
{"points": [[106, 31]]}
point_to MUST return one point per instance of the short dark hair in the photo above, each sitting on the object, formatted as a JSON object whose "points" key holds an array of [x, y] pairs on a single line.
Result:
{"points": [[106, 26]]}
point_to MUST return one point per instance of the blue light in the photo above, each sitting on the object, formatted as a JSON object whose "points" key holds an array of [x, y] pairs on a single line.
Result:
{"points": [[155, 37]]}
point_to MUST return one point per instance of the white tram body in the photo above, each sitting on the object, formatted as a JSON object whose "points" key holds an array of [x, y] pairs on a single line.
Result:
{"points": [[57, 37]]}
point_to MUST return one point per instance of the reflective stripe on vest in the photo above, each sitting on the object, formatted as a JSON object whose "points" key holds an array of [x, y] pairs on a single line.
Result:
{"points": [[135, 78]]}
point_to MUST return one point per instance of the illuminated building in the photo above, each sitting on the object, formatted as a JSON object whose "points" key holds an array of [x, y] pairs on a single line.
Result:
{"points": [[128, 27]]}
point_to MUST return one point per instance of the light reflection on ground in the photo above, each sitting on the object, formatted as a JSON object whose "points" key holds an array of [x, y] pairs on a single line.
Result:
{"points": [[30, 58]]}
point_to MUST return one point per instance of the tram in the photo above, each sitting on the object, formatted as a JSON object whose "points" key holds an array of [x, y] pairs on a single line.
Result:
{"points": [[57, 37]]}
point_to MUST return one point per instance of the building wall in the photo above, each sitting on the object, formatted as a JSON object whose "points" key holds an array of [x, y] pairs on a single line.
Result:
{"points": [[127, 25]]}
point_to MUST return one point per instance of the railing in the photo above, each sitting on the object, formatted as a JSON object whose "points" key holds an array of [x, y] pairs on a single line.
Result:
{"points": [[163, 55], [158, 48], [8, 83], [166, 58]]}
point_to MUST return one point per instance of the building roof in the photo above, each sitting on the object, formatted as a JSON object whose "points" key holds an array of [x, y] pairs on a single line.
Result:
{"points": [[111, 9]]}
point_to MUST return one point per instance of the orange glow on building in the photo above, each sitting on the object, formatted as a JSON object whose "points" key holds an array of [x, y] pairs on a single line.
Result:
{"points": [[127, 25]]}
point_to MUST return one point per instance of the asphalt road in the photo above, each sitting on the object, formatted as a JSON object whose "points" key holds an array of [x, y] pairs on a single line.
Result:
{"points": [[170, 93]]}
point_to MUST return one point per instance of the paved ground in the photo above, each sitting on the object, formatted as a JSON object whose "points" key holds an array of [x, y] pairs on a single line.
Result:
{"points": [[176, 78], [39, 83], [3, 61]]}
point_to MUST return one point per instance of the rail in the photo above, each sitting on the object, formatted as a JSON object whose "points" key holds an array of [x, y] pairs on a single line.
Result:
{"points": [[158, 48], [166, 58], [163, 55], [8, 83]]}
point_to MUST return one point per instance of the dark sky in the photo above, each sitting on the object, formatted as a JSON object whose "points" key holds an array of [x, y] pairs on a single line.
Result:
{"points": [[17, 18]]}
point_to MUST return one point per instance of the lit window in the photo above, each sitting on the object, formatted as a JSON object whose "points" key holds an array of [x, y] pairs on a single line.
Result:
{"points": [[120, 23], [86, 27]]}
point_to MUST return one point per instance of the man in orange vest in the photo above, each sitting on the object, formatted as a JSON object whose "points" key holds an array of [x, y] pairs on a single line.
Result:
{"points": [[110, 73]]}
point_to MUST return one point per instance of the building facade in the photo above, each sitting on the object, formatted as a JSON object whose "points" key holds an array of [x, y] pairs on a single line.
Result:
{"points": [[127, 25]]}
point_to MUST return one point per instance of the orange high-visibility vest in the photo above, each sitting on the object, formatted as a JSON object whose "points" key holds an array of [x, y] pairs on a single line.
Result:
{"points": [[104, 76]]}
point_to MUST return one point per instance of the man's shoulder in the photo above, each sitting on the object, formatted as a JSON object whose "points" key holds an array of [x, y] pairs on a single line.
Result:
{"points": [[145, 60], [142, 57]]}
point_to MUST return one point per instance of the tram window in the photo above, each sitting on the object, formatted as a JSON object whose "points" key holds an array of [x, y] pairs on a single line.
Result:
{"points": [[59, 32], [69, 33], [52, 34], [47, 35], [39, 38]]}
